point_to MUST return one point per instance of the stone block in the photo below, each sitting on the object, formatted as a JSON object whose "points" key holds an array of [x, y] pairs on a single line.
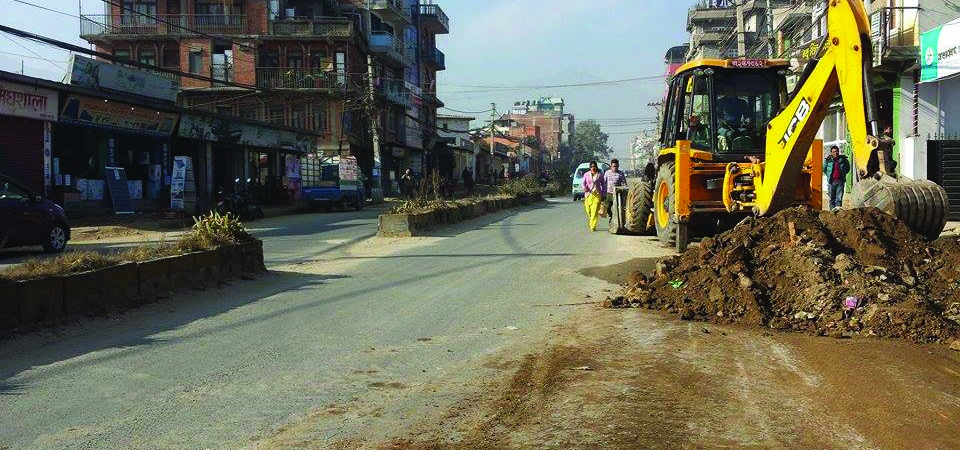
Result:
{"points": [[252, 257], [231, 262], [41, 300], [83, 292], [154, 277], [9, 307], [394, 225], [121, 285]]}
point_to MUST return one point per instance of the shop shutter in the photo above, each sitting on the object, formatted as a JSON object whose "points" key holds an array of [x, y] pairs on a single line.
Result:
{"points": [[949, 168], [21, 151]]}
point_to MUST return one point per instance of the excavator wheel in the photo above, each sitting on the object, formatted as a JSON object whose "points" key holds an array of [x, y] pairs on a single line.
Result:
{"points": [[921, 204], [669, 230], [639, 208]]}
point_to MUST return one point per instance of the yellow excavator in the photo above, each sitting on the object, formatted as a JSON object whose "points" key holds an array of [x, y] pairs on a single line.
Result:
{"points": [[735, 143]]}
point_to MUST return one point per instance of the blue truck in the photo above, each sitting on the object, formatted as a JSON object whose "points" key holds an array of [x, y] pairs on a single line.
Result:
{"points": [[330, 182]]}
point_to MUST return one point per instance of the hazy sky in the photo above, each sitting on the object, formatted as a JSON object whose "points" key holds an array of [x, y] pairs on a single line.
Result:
{"points": [[498, 43]]}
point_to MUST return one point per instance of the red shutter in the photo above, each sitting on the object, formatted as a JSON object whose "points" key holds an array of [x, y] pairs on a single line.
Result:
{"points": [[21, 151]]}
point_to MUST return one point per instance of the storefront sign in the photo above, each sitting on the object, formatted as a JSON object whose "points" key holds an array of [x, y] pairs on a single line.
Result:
{"points": [[118, 116], [178, 187], [348, 173], [48, 169], [26, 101], [940, 52], [95, 74], [226, 131]]}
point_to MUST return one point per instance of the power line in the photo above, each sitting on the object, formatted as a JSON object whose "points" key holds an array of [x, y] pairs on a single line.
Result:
{"points": [[19, 55], [45, 8], [466, 112], [58, 66], [548, 86]]}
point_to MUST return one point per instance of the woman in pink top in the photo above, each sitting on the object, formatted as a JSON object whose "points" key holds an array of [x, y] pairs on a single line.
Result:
{"points": [[594, 191]]}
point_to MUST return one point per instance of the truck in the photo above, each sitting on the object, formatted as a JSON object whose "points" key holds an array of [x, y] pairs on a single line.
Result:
{"points": [[735, 143], [332, 181]]}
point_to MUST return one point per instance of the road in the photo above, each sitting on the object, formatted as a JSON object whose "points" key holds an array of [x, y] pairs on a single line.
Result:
{"points": [[481, 336]]}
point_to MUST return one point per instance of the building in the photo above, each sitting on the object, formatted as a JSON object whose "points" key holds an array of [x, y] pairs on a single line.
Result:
{"points": [[454, 132], [296, 63], [544, 122], [728, 29]]}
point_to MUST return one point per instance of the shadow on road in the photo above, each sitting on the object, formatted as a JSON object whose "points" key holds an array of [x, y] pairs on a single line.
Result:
{"points": [[130, 336], [487, 222]]}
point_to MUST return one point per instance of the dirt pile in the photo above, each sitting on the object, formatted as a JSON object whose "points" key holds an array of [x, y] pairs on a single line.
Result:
{"points": [[852, 272]]}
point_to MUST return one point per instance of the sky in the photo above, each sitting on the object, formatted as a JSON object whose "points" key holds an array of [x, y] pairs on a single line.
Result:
{"points": [[509, 47]]}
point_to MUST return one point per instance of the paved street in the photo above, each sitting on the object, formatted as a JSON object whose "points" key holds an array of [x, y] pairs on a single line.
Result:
{"points": [[338, 319], [477, 337]]}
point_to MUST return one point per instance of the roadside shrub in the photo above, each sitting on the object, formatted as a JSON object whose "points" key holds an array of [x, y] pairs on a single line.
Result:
{"points": [[526, 186], [418, 204], [64, 264], [212, 231]]}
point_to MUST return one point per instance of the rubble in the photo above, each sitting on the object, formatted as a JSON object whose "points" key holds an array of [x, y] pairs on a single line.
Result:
{"points": [[847, 273]]}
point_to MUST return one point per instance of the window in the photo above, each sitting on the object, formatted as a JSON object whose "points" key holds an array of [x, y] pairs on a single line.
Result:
{"points": [[745, 104], [698, 115], [218, 7], [147, 56], [276, 113], [132, 7], [295, 60], [320, 60], [196, 62], [320, 120], [11, 192], [296, 116], [123, 53], [270, 58]]}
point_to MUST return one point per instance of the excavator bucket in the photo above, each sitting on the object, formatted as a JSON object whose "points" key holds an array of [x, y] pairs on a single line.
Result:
{"points": [[922, 205]]}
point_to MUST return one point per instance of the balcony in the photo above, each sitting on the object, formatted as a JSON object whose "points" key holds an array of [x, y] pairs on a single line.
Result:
{"points": [[430, 97], [395, 92], [321, 27], [385, 44], [895, 34], [116, 25], [435, 58], [391, 10], [434, 20], [299, 78], [711, 14]]}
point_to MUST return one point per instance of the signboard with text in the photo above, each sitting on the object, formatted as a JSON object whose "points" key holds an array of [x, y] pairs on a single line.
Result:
{"points": [[31, 102], [940, 52], [116, 115], [95, 74]]}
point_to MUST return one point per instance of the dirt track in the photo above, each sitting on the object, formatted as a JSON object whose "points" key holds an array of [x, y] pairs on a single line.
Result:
{"points": [[656, 382]]}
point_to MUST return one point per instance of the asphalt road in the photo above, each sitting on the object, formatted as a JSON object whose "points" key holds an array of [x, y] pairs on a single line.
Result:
{"points": [[344, 319]]}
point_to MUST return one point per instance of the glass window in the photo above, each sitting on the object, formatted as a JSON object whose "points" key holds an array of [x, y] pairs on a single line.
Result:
{"points": [[698, 115], [746, 101], [196, 62], [10, 192], [123, 53], [295, 59], [320, 122], [147, 56]]}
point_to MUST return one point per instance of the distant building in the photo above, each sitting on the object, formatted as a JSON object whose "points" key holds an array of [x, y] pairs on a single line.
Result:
{"points": [[546, 121], [454, 132]]}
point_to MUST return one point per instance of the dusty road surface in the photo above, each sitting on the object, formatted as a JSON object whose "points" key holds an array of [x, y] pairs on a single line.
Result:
{"points": [[480, 337]]}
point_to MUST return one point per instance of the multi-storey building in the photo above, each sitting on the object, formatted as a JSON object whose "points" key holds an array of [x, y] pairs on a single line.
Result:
{"points": [[728, 29], [553, 127], [297, 63]]}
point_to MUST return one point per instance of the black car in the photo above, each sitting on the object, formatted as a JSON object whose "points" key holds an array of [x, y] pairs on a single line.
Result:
{"points": [[29, 219]]}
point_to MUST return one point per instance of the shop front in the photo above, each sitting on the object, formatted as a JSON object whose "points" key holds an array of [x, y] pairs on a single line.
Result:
{"points": [[26, 117], [227, 148], [94, 133]]}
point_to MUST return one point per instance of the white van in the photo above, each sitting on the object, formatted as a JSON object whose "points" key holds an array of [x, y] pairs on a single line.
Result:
{"points": [[577, 189]]}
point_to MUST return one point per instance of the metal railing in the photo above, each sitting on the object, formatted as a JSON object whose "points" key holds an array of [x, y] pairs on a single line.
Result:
{"points": [[434, 11], [299, 78], [387, 43], [395, 91], [435, 57], [319, 26], [394, 7], [169, 24]]}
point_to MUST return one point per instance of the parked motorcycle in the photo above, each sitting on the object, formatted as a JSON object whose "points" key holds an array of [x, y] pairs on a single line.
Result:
{"points": [[238, 203]]}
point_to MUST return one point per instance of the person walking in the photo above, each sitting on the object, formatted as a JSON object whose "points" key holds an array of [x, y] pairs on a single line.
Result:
{"points": [[407, 184], [613, 178], [836, 167], [594, 190]]}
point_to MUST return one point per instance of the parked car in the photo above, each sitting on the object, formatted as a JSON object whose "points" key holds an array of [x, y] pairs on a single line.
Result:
{"points": [[577, 189], [29, 219]]}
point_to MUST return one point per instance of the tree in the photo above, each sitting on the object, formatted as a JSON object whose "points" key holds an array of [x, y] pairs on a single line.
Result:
{"points": [[590, 142]]}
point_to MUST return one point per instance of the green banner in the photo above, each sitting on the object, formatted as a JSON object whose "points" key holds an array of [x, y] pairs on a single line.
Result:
{"points": [[940, 52]]}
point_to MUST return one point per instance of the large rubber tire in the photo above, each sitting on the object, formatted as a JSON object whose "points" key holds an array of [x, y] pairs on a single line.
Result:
{"points": [[56, 239], [639, 207], [664, 217], [921, 204]]}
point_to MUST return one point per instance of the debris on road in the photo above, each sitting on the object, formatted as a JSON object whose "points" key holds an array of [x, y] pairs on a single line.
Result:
{"points": [[851, 272]]}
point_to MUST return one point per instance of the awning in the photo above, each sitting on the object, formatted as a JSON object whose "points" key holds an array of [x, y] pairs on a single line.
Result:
{"points": [[225, 130], [940, 52]]}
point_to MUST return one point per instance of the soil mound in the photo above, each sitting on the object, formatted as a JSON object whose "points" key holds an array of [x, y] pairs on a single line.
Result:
{"points": [[852, 272]]}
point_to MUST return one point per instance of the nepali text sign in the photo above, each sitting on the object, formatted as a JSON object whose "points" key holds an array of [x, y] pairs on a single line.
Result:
{"points": [[31, 102], [118, 116], [95, 74], [940, 52], [227, 131]]}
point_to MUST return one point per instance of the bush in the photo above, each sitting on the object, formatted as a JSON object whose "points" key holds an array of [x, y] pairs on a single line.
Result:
{"points": [[526, 186], [212, 231]]}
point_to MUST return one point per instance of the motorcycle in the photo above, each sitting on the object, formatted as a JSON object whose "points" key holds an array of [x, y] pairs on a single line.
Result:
{"points": [[238, 203]]}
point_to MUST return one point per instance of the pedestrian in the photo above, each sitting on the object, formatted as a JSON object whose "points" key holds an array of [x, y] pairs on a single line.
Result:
{"points": [[836, 167], [885, 150], [613, 178], [407, 183], [467, 176], [594, 190]]}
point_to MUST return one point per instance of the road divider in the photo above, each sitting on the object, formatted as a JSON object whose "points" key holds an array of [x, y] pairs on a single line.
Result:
{"points": [[441, 214]]}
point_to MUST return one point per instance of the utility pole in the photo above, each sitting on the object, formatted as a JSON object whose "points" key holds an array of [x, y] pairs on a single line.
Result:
{"points": [[493, 156], [385, 183], [741, 35], [769, 31]]}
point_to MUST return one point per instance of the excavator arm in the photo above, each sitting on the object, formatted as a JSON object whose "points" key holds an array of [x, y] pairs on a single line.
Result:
{"points": [[845, 65]]}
